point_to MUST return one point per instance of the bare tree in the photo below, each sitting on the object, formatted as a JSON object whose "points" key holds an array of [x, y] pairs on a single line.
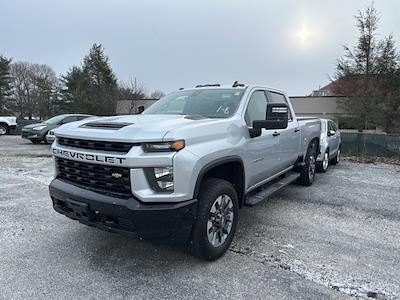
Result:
{"points": [[33, 89], [44, 81], [133, 91], [23, 89], [157, 94]]}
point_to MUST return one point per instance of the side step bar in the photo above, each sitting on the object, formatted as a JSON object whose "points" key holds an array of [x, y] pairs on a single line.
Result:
{"points": [[271, 189]]}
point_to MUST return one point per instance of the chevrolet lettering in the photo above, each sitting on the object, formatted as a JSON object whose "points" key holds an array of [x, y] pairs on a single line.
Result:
{"points": [[87, 157]]}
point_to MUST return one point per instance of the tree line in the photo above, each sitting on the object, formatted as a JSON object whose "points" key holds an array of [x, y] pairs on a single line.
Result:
{"points": [[30, 90], [368, 75]]}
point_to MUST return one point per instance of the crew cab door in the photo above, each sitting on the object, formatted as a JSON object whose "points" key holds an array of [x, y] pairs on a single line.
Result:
{"points": [[262, 151], [289, 138]]}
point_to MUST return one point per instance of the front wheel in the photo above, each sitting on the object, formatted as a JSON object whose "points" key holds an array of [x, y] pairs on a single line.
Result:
{"points": [[3, 129], [216, 221]]}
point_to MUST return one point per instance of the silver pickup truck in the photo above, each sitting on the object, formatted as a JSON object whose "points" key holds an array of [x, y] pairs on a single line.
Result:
{"points": [[184, 168]]}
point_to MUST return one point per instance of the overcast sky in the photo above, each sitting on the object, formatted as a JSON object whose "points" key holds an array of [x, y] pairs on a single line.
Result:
{"points": [[166, 45]]}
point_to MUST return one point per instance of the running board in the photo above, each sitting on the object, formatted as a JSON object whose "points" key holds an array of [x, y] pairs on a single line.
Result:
{"points": [[271, 189]]}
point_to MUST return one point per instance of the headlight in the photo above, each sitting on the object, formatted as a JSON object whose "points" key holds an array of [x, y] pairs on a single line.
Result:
{"points": [[161, 179], [39, 127], [164, 146]]}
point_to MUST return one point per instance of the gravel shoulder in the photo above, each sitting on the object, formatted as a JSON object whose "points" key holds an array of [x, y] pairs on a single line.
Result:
{"points": [[336, 239]]}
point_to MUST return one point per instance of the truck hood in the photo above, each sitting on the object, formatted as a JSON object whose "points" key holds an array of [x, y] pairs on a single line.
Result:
{"points": [[33, 125], [11, 120], [132, 128]]}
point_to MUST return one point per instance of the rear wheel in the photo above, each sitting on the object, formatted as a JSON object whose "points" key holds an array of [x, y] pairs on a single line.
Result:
{"points": [[216, 221], [336, 159], [322, 166], [36, 141], [307, 172], [3, 129]]}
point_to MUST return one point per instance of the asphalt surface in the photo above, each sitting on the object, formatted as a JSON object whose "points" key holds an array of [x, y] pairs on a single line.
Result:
{"points": [[337, 239]]}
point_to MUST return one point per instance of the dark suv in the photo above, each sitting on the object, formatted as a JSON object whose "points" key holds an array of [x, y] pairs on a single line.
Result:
{"points": [[37, 132]]}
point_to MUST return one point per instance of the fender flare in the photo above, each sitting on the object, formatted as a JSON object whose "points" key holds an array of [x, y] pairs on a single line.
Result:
{"points": [[216, 163]]}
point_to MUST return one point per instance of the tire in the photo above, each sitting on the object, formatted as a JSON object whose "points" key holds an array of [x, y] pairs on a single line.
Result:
{"points": [[336, 159], [36, 141], [322, 166], [307, 172], [3, 129], [213, 230]]}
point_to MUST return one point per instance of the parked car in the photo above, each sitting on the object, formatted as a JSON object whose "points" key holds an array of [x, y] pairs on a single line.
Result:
{"points": [[330, 145], [37, 132], [184, 167], [6, 124]]}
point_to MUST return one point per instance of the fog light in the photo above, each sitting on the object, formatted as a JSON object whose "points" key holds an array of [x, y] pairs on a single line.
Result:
{"points": [[164, 176]]}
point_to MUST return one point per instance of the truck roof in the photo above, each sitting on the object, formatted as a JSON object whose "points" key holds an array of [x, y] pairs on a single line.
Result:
{"points": [[218, 87]]}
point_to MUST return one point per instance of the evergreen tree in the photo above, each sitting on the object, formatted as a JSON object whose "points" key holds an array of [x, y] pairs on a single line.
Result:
{"points": [[356, 69], [102, 82], [74, 92], [369, 75], [5, 85], [388, 81], [91, 88]]}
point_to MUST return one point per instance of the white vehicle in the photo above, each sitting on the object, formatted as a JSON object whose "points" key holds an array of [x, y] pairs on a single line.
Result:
{"points": [[185, 166], [6, 124]]}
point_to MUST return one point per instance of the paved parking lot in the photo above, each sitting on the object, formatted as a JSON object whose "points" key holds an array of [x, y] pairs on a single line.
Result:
{"points": [[336, 239]]}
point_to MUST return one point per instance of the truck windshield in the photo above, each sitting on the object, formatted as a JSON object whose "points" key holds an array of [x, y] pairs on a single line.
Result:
{"points": [[209, 103]]}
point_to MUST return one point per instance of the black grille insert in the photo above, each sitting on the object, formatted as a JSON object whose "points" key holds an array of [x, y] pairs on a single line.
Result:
{"points": [[103, 179], [97, 145]]}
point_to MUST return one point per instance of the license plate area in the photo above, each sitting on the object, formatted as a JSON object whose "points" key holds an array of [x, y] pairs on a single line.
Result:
{"points": [[75, 209]]}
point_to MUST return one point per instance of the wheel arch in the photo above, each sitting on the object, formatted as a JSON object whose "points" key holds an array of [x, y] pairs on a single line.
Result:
{"points": [[6, 126], [230, 169]]}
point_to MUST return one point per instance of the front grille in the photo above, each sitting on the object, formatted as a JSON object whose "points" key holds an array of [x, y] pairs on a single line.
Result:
{"points": [[97, 145], [98, 178]]}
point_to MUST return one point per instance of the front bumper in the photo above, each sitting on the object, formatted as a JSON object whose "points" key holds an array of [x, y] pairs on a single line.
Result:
{"points": [[125, 216], [33, 134]]}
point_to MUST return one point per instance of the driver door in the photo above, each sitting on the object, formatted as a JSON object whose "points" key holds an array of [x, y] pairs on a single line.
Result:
{"points": [[262, 151]]}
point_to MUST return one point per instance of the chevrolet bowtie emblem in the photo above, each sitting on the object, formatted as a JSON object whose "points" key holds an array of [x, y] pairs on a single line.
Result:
{"points": [[116, 175]]}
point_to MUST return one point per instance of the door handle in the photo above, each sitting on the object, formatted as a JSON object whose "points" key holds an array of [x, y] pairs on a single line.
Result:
{"points": [[276, 133], [296, 129]]}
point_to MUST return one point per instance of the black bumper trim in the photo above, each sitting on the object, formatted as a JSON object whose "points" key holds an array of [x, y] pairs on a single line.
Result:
{"points": [[125, 216]]}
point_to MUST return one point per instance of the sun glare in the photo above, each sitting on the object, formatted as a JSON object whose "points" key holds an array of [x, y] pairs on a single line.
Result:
{"points": [[303, 35]]}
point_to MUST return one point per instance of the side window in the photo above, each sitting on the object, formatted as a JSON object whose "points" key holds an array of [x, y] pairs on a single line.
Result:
{"points": [[332, 126], [81, 117], [279, 98], [257, 108]]}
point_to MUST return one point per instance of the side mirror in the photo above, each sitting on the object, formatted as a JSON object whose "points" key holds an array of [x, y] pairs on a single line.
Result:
{"points": [[140, 109], [276, 118], [331, 132]]}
